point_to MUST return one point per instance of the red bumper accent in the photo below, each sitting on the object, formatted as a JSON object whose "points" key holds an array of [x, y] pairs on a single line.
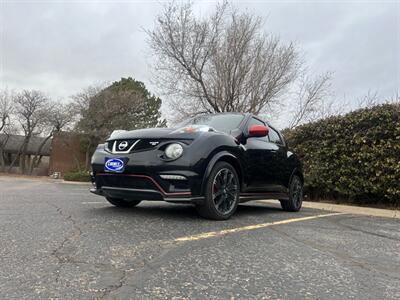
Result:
{"points": [[148, 178]]}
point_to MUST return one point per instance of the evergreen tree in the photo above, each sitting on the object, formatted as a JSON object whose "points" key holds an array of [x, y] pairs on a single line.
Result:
{"points": [[125, 104]]}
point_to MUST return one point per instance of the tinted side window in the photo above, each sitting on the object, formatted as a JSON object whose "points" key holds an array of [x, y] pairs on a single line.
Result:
{"points": [[274, 136]]}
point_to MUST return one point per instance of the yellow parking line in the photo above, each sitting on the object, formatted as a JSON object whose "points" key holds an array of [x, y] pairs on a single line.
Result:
{"points": [[212, 234]]}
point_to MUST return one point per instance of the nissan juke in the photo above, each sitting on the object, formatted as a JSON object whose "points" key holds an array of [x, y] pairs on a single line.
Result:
{"points": [[213, 161]]}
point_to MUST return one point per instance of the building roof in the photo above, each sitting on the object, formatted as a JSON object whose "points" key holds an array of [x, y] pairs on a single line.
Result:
{"points": [[15, 142]]}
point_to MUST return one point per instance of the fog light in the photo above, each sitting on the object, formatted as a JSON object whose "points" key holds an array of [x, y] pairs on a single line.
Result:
{"points": [[173, 177]]}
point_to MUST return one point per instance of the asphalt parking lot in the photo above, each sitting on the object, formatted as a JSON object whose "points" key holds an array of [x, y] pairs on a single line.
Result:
{"points": [[60, 242]]}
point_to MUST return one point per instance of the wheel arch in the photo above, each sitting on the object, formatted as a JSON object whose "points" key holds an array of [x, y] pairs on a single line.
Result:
{"points": [[226, 157]]}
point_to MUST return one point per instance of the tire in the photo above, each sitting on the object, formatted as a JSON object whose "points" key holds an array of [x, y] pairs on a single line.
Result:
{"points": [[295, 195], [221, 193], [122, 203]]}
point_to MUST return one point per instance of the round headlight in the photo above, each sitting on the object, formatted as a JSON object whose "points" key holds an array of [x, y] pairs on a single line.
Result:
{"points": [[173, 151]]}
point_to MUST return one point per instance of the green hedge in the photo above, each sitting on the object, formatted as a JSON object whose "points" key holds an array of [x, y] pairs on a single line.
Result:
{"points": [[355, 156], [82, 176]]}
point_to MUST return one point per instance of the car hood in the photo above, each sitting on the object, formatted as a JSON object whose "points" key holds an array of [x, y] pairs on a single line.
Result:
{"points": [[156, 133]]}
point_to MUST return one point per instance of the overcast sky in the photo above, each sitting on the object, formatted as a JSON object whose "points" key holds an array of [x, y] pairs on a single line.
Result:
{"points": [[61, 47]]}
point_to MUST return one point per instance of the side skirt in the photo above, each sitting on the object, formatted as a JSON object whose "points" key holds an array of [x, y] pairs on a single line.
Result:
{"points": [[244, 197]]}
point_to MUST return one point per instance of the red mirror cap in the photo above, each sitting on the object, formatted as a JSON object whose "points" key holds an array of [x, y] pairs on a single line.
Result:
{"points": [[258, 131]]}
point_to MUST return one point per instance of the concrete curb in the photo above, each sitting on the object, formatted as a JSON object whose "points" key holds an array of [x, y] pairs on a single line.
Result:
{"points": [[73, 182], [358, 210], [7, 176]]}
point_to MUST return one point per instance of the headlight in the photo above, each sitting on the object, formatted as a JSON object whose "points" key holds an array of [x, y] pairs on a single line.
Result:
{"points": [[173, 151]]}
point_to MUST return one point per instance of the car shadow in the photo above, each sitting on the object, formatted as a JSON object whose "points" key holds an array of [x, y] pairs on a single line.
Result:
{"points": [[184, 212], [256, 209], [154, 211]]}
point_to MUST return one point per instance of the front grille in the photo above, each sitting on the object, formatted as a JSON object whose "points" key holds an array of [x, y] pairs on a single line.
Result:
{"points": [[122, 146], [131, 145], [146, 144], [122, 181]]}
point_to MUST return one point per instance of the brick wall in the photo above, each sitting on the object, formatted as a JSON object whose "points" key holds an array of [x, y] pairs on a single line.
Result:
{"points": [[66, 153]]}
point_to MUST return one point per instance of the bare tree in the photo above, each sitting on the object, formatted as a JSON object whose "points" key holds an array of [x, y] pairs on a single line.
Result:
{"points": [[221, 63], [310, 100], [31, 110], [81, 101], [6, 110], [58, 116], [395, 98], [371, 98]]}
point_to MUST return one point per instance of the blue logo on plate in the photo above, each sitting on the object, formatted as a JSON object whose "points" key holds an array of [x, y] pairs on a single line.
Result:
{"points": [[114, 165]]}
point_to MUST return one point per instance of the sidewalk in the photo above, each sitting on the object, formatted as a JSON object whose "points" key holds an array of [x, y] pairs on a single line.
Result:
{"points": [[357, 210]]}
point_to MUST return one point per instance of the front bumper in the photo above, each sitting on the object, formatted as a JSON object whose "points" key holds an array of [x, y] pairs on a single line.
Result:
{"points": [[138, 194], [143, 177], [138, 187]]}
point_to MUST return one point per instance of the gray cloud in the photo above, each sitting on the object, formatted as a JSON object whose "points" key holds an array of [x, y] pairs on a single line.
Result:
{"points": [[61, 47]]}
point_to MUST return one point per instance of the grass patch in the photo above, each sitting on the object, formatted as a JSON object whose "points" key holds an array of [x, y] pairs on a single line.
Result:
{"points": [[80, 176]]}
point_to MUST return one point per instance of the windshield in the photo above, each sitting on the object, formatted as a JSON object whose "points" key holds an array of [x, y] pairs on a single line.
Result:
{"points": [[221, 122]]}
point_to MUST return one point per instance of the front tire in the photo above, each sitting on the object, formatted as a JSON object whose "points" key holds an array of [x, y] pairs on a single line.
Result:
{"points": [[221, 193], [295, 195], [122, 203]]}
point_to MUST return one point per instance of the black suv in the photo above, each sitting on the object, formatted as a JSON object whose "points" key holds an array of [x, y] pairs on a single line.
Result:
{"points": [[214, 161]]}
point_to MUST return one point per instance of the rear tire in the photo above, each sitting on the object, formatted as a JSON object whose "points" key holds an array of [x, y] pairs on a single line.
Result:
{"points": [[221, 193], [295, 195], [122, 203]]}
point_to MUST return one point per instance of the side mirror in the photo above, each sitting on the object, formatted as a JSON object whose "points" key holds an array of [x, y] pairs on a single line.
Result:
{"points": [[258, 131]]}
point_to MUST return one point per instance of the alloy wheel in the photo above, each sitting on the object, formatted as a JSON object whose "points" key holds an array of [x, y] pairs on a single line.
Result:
{"points": [[297, 192], [224, 191]]}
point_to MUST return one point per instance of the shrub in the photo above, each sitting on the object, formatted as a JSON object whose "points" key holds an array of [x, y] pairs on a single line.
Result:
{"points": [[356, 156], [82, 176]]}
